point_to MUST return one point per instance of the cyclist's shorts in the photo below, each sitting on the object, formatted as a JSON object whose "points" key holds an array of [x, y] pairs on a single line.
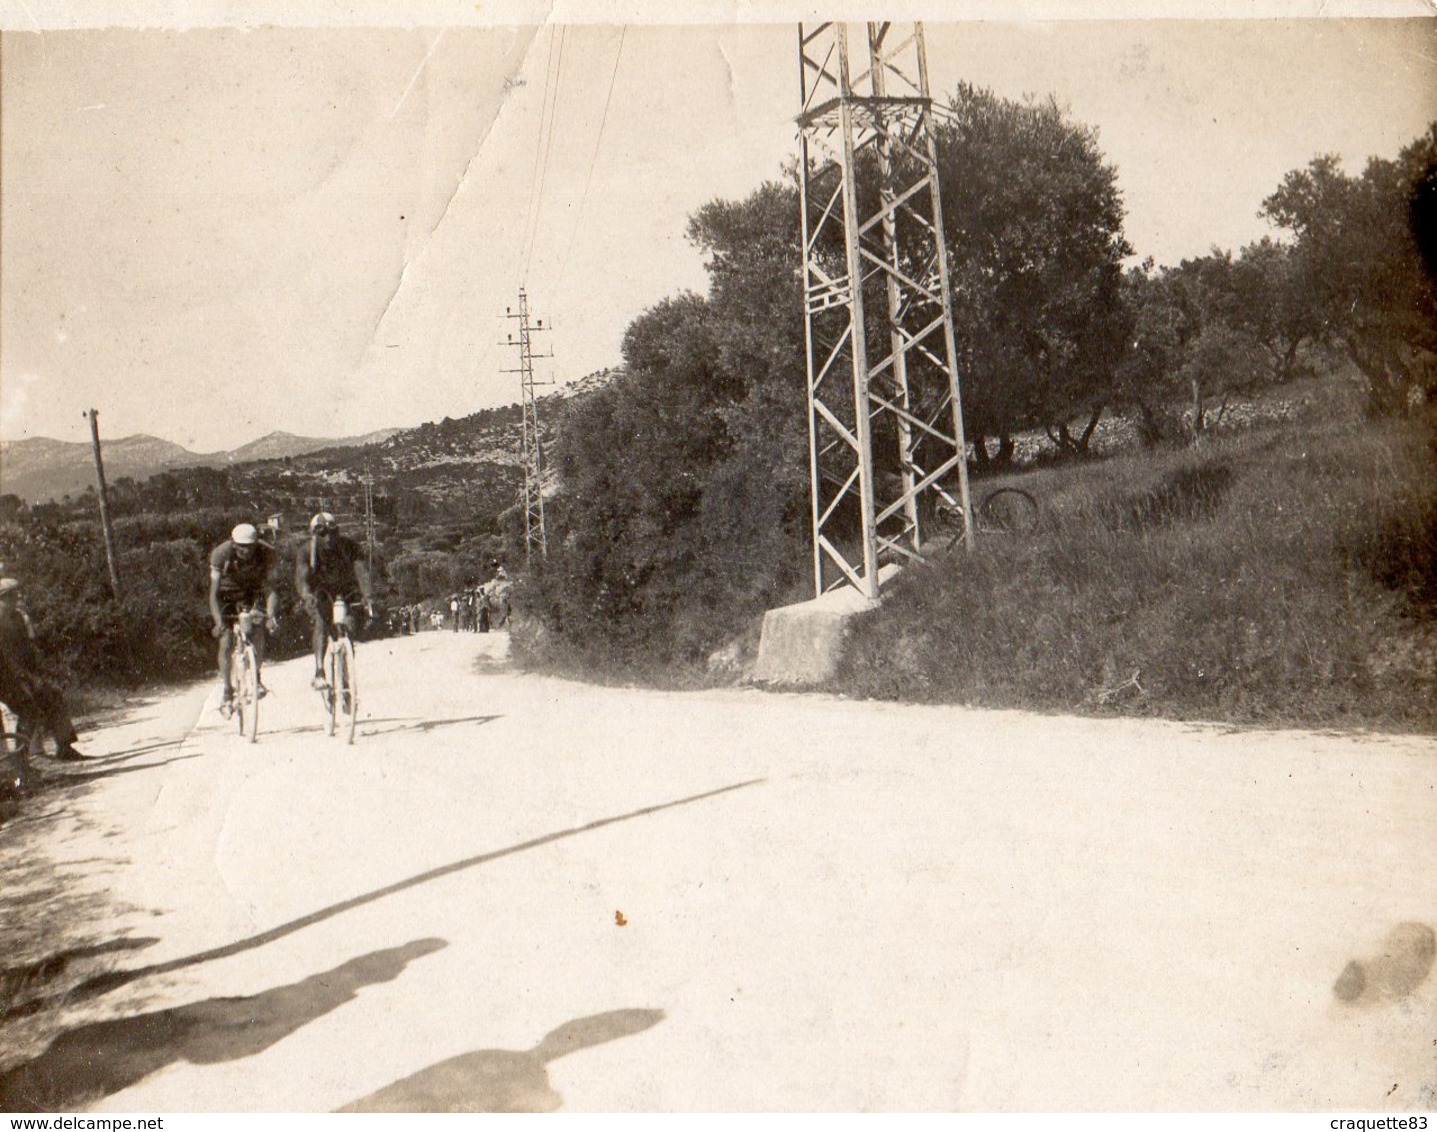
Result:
{"points": [[232, 605]]}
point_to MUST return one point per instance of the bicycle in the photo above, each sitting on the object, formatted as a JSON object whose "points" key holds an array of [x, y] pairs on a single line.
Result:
{"points": [[244, 675], [342, 696], [20, 746], [1008, 510]]}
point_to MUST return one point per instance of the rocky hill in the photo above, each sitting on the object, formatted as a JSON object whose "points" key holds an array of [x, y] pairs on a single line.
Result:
{"points": [[38, 469]]}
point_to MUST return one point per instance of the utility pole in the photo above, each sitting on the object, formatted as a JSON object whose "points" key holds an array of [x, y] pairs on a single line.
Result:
{"points": [[368, 481], [535, 536], [105, 525], [896, 390]]}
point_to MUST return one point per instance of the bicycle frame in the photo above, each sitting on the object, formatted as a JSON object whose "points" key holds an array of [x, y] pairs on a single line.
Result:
{"points": [[244, 673]]}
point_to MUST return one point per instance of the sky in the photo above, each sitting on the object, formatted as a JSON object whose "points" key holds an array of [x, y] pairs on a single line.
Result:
{"points": [[213, 233]]}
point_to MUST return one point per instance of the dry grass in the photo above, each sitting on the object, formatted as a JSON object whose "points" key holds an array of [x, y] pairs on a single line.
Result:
{"points": [[1283, 576]]}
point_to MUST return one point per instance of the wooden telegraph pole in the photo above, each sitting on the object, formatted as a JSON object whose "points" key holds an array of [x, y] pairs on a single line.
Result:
{"points": [[106, 526]]}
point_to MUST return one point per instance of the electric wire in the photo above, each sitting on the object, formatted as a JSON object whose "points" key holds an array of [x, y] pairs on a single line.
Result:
{"points": [[546, 144], [534, 173], [593, 157]]}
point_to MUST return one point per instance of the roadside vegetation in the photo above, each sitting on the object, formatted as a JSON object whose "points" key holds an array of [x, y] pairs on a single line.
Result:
{"points": [[444, 506], [1282, 575], [1189, 562]]}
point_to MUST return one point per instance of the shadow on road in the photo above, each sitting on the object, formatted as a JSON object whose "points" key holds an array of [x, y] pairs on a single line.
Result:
{"points": [[111, 980], [69, 777], [421, 724], [501, 1080], [16, 979], [101, 1058], [366, 725], [136, 752]]}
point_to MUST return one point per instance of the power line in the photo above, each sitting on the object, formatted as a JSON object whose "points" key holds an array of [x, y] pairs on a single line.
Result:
{"points": [[551, 104], [593, 157], [538, 153]]}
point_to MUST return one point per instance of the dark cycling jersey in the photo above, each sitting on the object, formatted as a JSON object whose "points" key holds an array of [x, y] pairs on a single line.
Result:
{"points": [[329, 570], [242, 580]]}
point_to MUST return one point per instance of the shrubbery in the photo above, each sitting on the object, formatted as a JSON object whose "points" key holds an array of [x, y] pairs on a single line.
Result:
{"points": [[1281, 577], [1287, 581]]}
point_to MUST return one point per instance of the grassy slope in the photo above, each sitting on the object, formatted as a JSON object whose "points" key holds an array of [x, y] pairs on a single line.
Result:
{"points": [[1282, 576]]}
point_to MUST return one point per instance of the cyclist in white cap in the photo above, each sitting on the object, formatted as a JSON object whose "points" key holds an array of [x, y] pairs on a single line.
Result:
{"points": [[241, 575]]}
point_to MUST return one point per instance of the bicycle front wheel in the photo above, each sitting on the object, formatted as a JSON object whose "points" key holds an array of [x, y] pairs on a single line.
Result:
{"points": [[346, 691], [246, 678], [331, 676]]}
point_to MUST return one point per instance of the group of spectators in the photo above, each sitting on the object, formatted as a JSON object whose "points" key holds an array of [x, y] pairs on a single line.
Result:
{"points": [[404, 620], [479, 608], [476, 608]]}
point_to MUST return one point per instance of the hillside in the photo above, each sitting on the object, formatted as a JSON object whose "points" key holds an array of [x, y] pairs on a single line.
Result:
{"points": [[446, 500], [38, 469], [438, 459], [1283, 574], [455, 462]]}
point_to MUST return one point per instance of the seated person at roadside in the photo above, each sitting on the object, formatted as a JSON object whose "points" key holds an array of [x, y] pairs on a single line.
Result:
{"points": [[34, 701]]}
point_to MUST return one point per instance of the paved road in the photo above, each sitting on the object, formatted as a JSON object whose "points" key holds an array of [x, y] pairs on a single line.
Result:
{"points": [[517, 892]]}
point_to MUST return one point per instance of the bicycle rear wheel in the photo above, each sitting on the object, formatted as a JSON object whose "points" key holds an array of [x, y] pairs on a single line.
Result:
{"points": [[346, 691], [949, 523]]}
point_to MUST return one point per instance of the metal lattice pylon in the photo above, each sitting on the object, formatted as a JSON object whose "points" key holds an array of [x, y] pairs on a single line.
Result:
{"points": [[532, 451], [885, 418]]}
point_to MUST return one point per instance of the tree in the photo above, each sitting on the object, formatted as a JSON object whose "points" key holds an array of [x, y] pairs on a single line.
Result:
{"points": [[1272, 303], [1355, 245], [684, 502], [1033, 221], [1205, 331], [684, 480]]}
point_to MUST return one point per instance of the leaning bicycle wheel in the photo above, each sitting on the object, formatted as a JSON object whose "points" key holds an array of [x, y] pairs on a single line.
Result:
{"points": [[246, 669], [346, 692], [1009, 509]]}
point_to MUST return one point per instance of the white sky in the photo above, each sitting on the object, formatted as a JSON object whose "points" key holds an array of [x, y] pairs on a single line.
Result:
{"points": [[214, 233]]}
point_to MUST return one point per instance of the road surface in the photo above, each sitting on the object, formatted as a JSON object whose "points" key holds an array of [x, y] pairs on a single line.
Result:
{"points": [[516, 892]]}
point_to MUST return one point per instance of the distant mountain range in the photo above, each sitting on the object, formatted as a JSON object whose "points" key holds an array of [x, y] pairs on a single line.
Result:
{"points": [[39, 469], [438, 458]]}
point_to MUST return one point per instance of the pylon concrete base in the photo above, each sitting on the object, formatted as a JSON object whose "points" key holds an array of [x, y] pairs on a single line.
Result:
{"points": [[801, 644]]}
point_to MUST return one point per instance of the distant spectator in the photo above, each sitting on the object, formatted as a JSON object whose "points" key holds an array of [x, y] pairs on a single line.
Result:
{"points": [[498, 595]]}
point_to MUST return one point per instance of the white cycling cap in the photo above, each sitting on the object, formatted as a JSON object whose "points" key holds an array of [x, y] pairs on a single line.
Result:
{"points": [[244, 535]]}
